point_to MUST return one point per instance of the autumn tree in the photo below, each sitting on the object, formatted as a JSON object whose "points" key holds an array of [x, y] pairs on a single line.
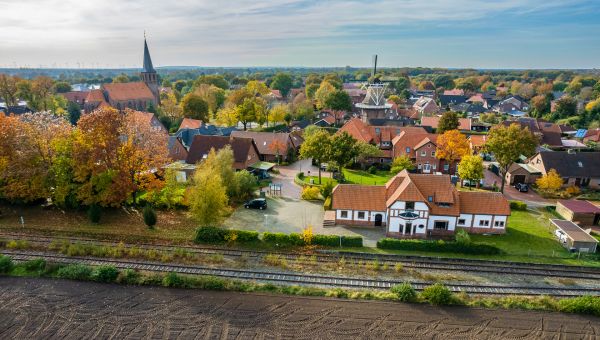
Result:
{"points": [[277, 113], [401, 163], [214, 96], [208, 194], [471, 168], [8, 89], [282, 82], [62, 87], [316, 145], [452, 146], [170, 108], [228, 116], [278, 148], [257, 88], [193, 106], [214, 80], [338, 100], [323, 93], [551, 182], [251, 110], [448, 121], [507, 144]]}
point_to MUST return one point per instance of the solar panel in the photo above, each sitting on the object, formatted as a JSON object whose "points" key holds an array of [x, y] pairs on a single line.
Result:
{"points": [[580, 133]]}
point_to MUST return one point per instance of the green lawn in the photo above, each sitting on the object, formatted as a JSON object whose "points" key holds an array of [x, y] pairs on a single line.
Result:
{"points": [[315, 179], [364, 177]]}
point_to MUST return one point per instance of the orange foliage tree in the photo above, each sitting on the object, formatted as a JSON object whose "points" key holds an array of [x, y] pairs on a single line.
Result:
{"points": [[452, 146]]}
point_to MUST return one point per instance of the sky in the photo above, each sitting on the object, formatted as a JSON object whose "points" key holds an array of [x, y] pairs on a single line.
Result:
{"points": [[313, 33]]}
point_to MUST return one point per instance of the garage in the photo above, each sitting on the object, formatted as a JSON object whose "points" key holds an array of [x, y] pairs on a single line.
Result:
{"points": [[522, 173], [517, 179], [572, 237]]}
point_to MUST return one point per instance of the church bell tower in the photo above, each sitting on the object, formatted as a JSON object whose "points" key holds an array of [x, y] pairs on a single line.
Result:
{"points": [[148, 74]]}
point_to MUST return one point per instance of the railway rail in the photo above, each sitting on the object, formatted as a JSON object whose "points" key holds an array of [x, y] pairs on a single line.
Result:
{"points": [[298, 278], [407, 261]]}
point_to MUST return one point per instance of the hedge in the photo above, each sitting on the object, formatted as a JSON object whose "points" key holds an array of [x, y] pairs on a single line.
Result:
{"points": [[438, 246], [220, 235], [327, 204], [292, 239], [518, 205]]}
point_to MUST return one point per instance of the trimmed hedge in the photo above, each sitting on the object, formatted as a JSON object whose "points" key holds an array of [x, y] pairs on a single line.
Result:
{"points": [[438, 246], [518, 205], [327, 204], [282, 239], [220, 235]]}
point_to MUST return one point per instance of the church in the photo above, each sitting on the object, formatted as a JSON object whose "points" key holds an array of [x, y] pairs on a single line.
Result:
{"points": [[133, 95]]}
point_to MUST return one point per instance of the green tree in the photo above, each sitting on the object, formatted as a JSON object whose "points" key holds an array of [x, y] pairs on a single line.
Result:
{"points": [[149, 216], [316, 145], [338, 100], [311, 90], [245, 184], [507, 144], [121, 78], [343, 150], [443, 80], [471, 168], [193, 106], [566, 107], [62, 87], [448, 121], [366, 151], [402, 163], [334, 80], [208, 195], [282, 82], [74, 112], [251, 110], [323, 93], [212, 79]]}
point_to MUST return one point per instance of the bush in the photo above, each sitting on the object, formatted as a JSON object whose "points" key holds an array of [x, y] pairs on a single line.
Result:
{"points": [[300, 175], [75, 272], [327, 189], [405, 292], [310, 193], [438, 246], [581, 305], [210, 235], [352, 241], [105, 274], [372, 170], [94, 213], [128, 276], [283, 239], [149, 216], [37, 265], [245, 236], [518, 205], [462, 237], [327, 204], [437, 294], [172, 280], [6, 264]]}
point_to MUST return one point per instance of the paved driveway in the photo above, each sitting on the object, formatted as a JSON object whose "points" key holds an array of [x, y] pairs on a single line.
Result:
{"points": [[531, 197], [286, 177]]}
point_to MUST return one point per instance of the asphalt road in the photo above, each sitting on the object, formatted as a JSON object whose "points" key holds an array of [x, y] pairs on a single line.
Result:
{"points": [[58, 309]]}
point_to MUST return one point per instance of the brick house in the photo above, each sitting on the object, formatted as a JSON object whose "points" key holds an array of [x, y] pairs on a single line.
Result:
{"points": [[272, 144], [420, 206]]}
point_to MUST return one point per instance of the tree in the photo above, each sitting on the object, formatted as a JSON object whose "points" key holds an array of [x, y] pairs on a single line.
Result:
{"points": [[396, 99], [448, 121], [62, 87], [170, 107], [193, 106], [541, 104], [316, 145], [149, 216], [366, 151], [343, 150], [278, 148], [208, 196], [566, 107], [212, 95], [212, 79], [550, 182], [471, 168], [74, 112], [121, 78], [507, 144], [311, 90], [245, 183], [452, 146], [9, 90], [334, 80], [42, 90], [282, 82], [251, 110], [323, 93], [228, 116], [278, 113], [257, 88], [338, 100], [443, 80], [402, 163]]}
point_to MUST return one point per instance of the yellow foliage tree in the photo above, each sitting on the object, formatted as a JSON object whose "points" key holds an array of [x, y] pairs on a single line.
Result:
{"points": [[307, 235], [452, 146], [551, 181]]}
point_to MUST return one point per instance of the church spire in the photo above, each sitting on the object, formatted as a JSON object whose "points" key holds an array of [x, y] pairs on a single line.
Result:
{"points": [[147, 60]]}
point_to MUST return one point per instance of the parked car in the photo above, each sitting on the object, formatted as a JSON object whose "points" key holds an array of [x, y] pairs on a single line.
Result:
{"points": [[472, 184], [257, 203], [522, 187]]}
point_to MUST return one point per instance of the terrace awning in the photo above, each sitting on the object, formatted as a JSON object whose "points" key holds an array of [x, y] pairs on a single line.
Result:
{"points": [[266, 166]]}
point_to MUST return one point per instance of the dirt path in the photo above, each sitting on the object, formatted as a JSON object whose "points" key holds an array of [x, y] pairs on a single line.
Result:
{"points": [[53, 309]]}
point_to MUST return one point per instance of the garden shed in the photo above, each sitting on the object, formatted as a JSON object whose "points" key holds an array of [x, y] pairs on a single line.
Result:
{"points": [[581, 212], [572, 237]]}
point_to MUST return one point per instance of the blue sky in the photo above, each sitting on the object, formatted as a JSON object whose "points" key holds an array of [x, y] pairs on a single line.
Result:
{"points": [[431, 33]]}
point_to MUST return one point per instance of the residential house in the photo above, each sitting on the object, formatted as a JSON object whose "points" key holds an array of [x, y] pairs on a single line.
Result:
{"points": [[592, 135], [477, 142], [454, 92], [186, 134], [511, 103], [420, 206], [426, 106], [77, 97], [446, 100], [272, 145], [548, 133], [581, 212], [177, 150], [468, 108], [581, 169], [189, 123], [245, 151], [326, 121], [421, 148]]}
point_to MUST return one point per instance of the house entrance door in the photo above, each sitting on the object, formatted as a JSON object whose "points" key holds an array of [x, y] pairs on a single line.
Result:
{"points": [[378, 220], [408, 229], [426, 168]]}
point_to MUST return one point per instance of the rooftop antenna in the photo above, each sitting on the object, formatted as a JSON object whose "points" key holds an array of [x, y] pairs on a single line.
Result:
{"points": [[374, 66]]}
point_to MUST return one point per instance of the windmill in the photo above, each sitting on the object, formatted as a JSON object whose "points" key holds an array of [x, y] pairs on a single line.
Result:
{"points": [[374, 105]]}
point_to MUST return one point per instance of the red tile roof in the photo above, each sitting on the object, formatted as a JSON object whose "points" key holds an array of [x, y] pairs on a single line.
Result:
{"points": [[477, 202], [578, 206], [359, 197], [128, 91], [477, 140], [95, 96], [454, 92], [189, 123], [76, 96], [463, 123], [361, 131], [264, 140]]}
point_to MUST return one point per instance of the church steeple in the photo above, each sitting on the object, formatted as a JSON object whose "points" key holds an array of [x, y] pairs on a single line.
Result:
{"points": [[148, 74]]}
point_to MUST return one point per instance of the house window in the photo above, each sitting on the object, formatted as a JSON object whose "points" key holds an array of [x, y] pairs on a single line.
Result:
{"points": [[461, 221], [419, 166], [361, 215], [446, 167], [440, 225], [432, 153], [409, 206], [407, 149], [433, 166], [430, 198], [579, 164], [423, 153], [377, 130], [484, 223], [344, 214], [498, 223]]}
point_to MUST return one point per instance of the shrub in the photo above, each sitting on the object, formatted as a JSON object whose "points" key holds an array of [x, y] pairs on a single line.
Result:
{"points": [[244, 236], [327, 189], [307, 235], [327, 240], [405, 292], [300, 175], [6, 264], [518, 205], [438, 246], [210, 235], [352, 241], [212, 283], [149, 216], [572, 191], [17, 244], [94, 213], [75, 272], [37, 265], [462, 237], [128, 276], [327, 204], [283, 239], [105, 274], [581, 305], [437, 294], [172, 280], [310, 193], [372, 170]]}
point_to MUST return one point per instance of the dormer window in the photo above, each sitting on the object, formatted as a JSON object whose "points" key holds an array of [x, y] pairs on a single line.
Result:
{"points": [[579, 164], [430, 198], [409, 206]]}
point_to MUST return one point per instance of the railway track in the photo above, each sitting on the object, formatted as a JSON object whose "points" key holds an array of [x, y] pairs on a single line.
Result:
{"points": [[407, 261], [297, 278]]}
